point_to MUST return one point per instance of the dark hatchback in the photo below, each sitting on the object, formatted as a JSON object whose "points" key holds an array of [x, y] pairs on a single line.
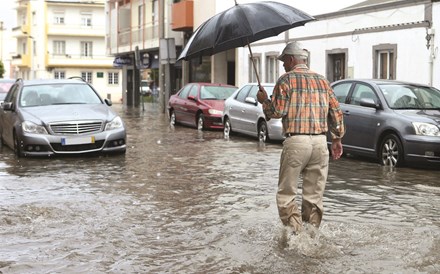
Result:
{"points": [[395, 122]]}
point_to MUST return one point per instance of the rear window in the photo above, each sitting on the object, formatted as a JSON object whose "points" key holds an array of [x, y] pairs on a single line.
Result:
{"points": [[216, 92]]}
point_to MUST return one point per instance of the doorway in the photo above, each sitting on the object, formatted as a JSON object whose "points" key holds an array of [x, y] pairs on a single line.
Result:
{"points": [[336, 64]]}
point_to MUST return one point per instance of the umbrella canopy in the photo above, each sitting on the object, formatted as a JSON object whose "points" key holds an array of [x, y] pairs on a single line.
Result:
{"points": [[241, 25]]}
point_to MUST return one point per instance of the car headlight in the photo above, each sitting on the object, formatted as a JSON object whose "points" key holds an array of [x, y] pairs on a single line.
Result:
{"points": [[30, 127], [426, 129], [215, 112], [114, 124]]}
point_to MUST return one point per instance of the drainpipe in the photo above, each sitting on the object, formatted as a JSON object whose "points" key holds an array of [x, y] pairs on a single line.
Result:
{"points": [[430, 33]]}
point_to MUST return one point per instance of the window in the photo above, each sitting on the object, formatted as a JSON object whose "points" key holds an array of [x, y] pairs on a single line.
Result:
{"points": [[193, 91], [362, 92], [87, 76], [58, 18], [271, 69], [384, 61], [86, 49], [59, 47], [252, 75], [341, 91], [185, 91], [59, 74], [113, 78], [242, 94], [34, 47], [141, 15], [86, 19]]}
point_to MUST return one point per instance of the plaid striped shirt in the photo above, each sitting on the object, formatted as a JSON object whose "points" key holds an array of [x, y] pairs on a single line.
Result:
{"points": [[306, 103]]}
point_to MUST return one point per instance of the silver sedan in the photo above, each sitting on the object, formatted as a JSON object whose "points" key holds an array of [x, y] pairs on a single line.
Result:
{"points": [[243, 114], [48, 117]]}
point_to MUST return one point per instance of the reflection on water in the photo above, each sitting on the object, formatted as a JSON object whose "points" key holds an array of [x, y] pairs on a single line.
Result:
{"points": [[183, 201]]}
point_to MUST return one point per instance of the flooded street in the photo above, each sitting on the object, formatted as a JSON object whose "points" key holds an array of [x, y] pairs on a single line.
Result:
{"points": [[183, 201]]}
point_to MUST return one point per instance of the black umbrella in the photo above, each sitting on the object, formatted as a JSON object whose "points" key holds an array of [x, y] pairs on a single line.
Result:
{"points": [[241, 25]]}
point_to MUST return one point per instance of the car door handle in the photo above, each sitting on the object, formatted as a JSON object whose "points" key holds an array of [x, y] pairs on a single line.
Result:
{"points": [[347, 112]]}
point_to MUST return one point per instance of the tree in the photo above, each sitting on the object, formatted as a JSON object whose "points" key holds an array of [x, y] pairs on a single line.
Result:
{"points": [[2, 69]]}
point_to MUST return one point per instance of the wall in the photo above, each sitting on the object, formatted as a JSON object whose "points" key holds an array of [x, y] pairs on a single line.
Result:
{"points": [[359, 33]]}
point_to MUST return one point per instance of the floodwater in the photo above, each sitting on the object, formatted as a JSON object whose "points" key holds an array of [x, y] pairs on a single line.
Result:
{"points": [[183, 201]]}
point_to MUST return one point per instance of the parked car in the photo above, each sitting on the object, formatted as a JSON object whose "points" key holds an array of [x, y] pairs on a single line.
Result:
{"points": [[243, 114], [5, 84], [145, 88], [392, 121], [51, 117], [199, 105]]}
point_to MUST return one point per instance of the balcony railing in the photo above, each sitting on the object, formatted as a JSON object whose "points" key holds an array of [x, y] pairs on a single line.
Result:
{"points": [[138, 35], [77, 60], [76, 30]]}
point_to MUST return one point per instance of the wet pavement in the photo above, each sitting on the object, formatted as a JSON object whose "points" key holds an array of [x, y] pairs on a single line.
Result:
{"points": [[183, 201]]}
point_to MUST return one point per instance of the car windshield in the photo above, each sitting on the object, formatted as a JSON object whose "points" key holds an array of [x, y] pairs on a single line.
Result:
{"points": [[411, 97], [216, 92], [56, 94]]}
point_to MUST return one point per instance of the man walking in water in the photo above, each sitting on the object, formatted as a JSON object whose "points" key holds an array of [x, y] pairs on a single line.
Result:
{"points": [[308, 108]]}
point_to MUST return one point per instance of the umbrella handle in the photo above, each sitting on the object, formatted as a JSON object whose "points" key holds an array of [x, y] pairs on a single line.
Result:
{"points": [[253, 64]]}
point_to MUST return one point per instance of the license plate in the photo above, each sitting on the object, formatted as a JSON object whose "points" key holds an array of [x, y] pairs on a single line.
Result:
{"points": [[77, 140]]}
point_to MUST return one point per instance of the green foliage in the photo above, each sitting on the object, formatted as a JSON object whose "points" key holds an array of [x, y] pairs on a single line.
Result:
{"points": [[2, 69]]}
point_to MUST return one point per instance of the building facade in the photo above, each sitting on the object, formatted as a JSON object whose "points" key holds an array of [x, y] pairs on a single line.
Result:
{"points": [[62, 39], [140, 37], [388, 39], [373, 39]]}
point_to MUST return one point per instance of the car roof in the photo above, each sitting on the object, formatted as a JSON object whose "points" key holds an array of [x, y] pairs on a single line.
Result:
{"points": [[4, 80], [380, 82], [211, 84], [52, 81]]}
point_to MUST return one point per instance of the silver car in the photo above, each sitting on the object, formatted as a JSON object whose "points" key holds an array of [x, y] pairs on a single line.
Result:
{"points": [[49, 117], [395, 122], [243, 114]]}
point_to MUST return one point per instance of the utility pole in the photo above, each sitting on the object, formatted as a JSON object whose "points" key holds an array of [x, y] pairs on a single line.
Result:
{"points": [[162, 72]]}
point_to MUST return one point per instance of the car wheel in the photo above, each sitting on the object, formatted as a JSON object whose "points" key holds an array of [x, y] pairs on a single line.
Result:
{"points": [[17, 148], [263, 132], [200, 122], [227, 130], [172, 118], [391, 151]]}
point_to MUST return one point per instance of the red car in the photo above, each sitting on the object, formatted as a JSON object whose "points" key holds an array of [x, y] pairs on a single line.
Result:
{"points": [[199, 105]]}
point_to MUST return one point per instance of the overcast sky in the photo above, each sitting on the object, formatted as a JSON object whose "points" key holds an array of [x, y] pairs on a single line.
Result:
{"points": [[7, 13]]}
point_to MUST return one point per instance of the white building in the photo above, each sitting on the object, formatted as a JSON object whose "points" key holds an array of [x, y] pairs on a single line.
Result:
{"points": [[62, 39], [373, 39]]}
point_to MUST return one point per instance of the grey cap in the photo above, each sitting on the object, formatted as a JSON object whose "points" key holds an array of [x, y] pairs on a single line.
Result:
{"points": [[295, 49]]}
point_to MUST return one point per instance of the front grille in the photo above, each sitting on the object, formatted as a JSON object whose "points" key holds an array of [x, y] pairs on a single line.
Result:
{"points": [[72, 148], [76, 127]]}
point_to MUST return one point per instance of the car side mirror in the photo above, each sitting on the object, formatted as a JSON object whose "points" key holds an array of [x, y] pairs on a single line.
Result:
{"points": [[190, 97], [368, 102], [8, 106], [251, 100], [108, 102]]}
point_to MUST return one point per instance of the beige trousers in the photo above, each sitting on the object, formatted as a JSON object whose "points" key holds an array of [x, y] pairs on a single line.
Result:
{"points": [[305, 155]]}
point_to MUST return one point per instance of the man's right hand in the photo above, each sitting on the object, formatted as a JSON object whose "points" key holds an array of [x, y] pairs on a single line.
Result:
{"points": [[261, 95]]}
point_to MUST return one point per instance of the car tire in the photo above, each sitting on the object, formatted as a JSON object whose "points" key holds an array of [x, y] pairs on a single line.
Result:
{"points": [[172, 118], [200, 122], [17, 148], [263, 135], [391, 151], [227, 129]]}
